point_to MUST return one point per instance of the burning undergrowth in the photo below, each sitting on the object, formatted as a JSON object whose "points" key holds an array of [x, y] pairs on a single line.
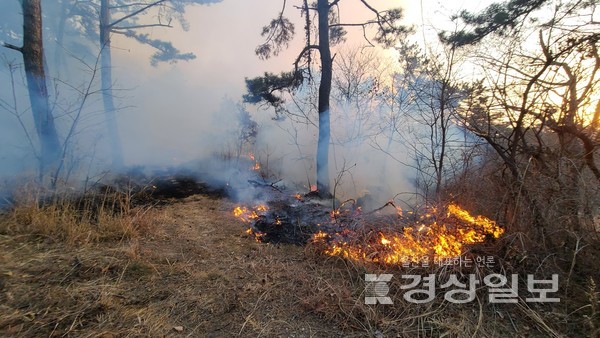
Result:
{"points": [[441, 233], [283, 220], [386, 236]]}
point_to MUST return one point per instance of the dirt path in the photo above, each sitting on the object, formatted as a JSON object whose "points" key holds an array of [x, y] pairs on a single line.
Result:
{"points": [[238, 286], [196, 274]]}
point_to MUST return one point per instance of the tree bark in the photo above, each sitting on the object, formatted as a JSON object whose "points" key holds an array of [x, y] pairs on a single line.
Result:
{"points": [[443, 125], [33, 59], [107, 97], [324, 94]]}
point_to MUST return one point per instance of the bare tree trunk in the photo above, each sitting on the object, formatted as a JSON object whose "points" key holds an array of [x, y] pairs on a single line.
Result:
{"points": [[324, 93], [33, 58], [106, 75], [443, 131]]}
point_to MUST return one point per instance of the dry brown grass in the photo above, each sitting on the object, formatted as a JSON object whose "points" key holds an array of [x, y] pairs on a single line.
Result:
{"points": [[345, 285], [91, 218], [190, 264], [196, 268], [576, 315]]}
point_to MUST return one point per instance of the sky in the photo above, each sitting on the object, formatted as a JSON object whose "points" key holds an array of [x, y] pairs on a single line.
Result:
{"points": [[223, 37]]}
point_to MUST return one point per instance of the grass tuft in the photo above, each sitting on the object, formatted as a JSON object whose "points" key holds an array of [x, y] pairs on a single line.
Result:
{"points": [[76, 220]]}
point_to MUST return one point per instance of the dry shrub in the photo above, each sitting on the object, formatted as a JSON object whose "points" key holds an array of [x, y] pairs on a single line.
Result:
{"points": [[77, 219], [551, 226]]}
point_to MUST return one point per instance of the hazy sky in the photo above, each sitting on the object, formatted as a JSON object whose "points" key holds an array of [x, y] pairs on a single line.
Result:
{"points": [[178, 98], [170, 110]]}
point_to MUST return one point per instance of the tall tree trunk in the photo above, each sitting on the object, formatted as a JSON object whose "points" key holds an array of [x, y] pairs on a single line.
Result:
{"points": [[107, 97], [443, 120], [324, 93], [33, 59]]}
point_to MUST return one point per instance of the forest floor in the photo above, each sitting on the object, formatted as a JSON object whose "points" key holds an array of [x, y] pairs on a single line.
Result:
{"points": [[196, 273]]}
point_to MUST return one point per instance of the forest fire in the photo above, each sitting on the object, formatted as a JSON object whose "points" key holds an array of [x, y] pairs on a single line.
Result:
{"points": [[256, 166], [406, 237], [247, 215], [256, 234], [431, 238]]}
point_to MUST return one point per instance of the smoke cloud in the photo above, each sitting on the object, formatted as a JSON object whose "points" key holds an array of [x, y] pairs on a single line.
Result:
{"points": [[185, 114]]}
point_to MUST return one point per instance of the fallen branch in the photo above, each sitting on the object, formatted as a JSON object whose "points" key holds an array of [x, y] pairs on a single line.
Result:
{"points": [[346, 201], [265, 184], [382, 207]]}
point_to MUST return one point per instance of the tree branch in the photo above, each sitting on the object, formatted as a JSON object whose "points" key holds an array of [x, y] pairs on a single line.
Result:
{"points": [[136, 12], [143, 26], [11, 46], [129, 5], [353, 24], [370, 7], [303, 7], [306, 49]]}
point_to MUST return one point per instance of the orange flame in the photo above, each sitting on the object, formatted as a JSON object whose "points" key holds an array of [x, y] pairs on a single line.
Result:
{"points": [[258, 236], [399, 211], [261, 208], [413, 244], [248, 215], [256, 165]]}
